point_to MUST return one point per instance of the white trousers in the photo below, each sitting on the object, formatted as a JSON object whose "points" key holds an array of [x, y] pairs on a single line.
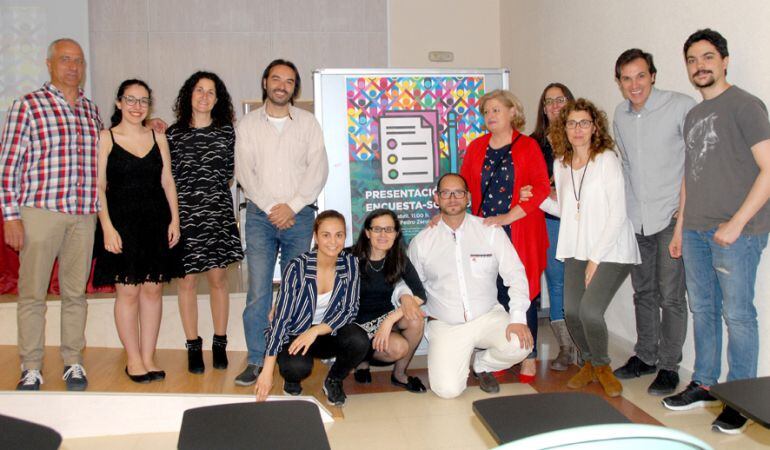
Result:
{"points": [[450, 348]]}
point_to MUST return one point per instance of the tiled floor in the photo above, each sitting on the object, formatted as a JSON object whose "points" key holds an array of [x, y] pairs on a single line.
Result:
{"points": [[400, 420]]}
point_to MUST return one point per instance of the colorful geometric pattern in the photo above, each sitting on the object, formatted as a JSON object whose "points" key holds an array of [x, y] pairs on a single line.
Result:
{"points": [[370, 97], [453, 99]]}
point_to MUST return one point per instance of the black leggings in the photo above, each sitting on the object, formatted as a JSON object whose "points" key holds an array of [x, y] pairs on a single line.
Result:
{"points": [[349, 346]]}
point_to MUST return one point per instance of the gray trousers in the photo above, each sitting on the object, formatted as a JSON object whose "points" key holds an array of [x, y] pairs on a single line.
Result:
{"points": [[584, 307], [661, 308]]}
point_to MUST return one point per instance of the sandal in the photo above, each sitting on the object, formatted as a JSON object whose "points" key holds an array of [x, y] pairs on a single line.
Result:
{"points": [[413, 384], [363, 376]]}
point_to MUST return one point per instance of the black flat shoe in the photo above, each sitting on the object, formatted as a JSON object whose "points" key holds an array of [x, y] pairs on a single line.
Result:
{"points": [[143, 378], [413, 384], [157, 375], [362, 376]]}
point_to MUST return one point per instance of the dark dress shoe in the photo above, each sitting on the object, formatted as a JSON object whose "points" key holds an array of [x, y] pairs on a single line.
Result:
{"points": [[363, 376], [413, 384], [157, 375], [143, 378]]}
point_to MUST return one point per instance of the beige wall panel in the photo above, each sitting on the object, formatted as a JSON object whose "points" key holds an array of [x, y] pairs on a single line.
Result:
{"points": [[117, 15], [238, 58], [469, 29], [202, 16], [114, 58], [330, 15]]}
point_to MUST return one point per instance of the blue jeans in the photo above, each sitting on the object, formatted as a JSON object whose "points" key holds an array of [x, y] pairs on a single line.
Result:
{"points": [[554, 272], [263, 240], [720, 283]]}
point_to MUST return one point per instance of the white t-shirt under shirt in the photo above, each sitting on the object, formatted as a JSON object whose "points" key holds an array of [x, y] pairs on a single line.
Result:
{"points": [[321, 305], [602, 231], [278, 122]]}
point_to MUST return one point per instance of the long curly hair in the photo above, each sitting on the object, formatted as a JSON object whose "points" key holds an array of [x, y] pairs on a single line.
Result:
{"points": [[395, 258], [542, 122], [222, 114], [117, 114], [600, 140]]}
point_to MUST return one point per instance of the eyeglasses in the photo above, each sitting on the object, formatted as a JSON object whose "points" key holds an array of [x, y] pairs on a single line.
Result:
{"points": [[555, 101], [452, 194], [379, 230], [131, 101], [584, 124]]}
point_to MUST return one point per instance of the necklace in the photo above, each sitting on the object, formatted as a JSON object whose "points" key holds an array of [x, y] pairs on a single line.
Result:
{"points": [[376, 269], [577, 192]]}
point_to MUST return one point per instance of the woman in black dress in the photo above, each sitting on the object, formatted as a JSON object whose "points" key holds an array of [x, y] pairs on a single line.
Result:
{"points": [[140, 224], [202, 142], [394, 332]]}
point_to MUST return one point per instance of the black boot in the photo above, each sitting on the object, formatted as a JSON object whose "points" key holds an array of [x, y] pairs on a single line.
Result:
{"points": [[218, 350], [195, 355]]}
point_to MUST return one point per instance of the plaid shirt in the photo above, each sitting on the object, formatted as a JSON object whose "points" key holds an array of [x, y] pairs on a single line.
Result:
{"points": [[48, 154]]}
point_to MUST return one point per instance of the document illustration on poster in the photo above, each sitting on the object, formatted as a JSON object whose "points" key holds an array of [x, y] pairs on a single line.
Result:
{"points": [[404, 132]]}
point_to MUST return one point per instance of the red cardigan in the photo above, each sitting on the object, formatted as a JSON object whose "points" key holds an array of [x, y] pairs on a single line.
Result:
{"points": [[528, 234]]}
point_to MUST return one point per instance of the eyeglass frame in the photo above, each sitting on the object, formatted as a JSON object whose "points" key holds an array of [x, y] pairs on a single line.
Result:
{"points": [[561, 100], [380, 230], [130, 100], [460, 195], [584, 124]]}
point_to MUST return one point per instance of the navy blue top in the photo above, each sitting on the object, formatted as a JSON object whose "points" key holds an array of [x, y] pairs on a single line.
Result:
{"points": [[497, 183], [297, 298]]}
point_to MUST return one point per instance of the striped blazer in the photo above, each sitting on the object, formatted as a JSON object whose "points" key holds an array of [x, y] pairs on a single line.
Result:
{"points": [[297, 299]]}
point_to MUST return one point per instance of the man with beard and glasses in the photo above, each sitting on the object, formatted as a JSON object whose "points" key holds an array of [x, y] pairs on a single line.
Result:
{"points": [[281, 165], [458, 261], [724, 225]]}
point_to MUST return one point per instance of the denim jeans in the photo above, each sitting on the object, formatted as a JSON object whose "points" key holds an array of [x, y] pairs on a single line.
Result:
{"points": [[720, 283], [554, 272], [659, 302], [263, 241]]}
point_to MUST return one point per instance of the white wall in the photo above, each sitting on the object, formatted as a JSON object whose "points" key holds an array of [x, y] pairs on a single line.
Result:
{"points": [[577, 43], [469, 29]]}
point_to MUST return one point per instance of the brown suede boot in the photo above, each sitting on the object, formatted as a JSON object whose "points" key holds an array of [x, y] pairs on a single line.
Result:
{"points": [[583, 378], [611, 385]]}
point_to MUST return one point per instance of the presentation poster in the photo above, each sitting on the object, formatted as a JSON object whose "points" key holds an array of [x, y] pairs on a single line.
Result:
{"points": [[404, 132]]}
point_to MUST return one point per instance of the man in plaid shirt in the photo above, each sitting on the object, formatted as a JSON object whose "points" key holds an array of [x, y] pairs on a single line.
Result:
{"points": [[48, 199]]}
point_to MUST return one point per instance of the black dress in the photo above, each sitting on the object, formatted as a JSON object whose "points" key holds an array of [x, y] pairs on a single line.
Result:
{"points": [[140, 213], [202, 164]]}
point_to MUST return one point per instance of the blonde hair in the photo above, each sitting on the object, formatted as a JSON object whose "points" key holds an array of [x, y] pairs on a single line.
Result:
{"points": [[509, 100]]}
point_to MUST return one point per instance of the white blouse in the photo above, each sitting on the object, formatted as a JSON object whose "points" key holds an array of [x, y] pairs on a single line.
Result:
{"points": [[601, 231]]}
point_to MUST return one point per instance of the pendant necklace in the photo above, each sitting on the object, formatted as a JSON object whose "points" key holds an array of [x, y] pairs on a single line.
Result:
{"points": [[369, 263], [577, 192]]}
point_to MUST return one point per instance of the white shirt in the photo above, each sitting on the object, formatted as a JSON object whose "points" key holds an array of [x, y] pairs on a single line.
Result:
{"points": [[459, 271], [280, 166], [321, 305], [602, 232]]}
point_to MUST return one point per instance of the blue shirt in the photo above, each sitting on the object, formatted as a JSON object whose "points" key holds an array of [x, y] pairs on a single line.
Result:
{"points": [[651, 145]]}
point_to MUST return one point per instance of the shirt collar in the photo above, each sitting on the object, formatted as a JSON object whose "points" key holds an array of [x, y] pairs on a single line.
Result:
{"points": [[652, 103], [57, 92], [263, 112]]}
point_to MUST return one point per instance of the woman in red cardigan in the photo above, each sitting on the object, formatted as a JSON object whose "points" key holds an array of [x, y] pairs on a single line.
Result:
{"points": [[496, 166]]}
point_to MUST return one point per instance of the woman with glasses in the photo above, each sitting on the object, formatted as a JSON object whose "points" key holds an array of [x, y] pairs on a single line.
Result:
{"points": [[394, 332], [140, 225], [202, 145], [552, 100], [496, 166], [313, 315], [596, 238]]}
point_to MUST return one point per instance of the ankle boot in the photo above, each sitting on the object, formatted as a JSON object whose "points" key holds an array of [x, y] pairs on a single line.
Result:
{"points": [[583, 378], [218, 350], [566, 348], [195, 355], [611, 385]]}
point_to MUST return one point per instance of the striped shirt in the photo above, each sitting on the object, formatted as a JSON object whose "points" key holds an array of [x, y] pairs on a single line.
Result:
{"points": [[297, 299], [48, 154]]}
